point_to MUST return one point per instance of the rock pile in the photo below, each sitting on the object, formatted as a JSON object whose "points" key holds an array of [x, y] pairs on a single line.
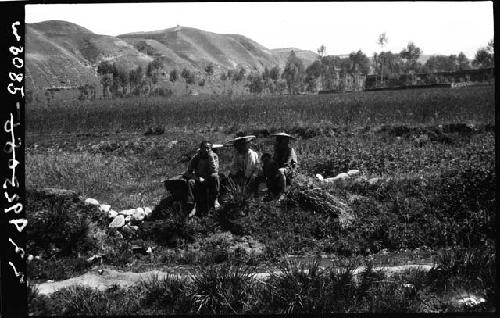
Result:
{"points": [[123, 217]]}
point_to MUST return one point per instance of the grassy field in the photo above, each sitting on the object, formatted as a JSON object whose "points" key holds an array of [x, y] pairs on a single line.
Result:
{"points": [[431, 150]]}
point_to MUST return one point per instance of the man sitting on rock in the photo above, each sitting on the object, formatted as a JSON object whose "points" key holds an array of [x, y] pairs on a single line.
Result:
{"points": [[281, 169], [203, 180]]}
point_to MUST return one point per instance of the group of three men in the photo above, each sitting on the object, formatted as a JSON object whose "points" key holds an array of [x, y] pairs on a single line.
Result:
{"points": [[247, 168]]}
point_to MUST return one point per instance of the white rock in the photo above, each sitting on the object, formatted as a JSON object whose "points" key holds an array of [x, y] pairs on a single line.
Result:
{"points": [[139, 214], [472, 301], [148, 211], [341, 176], [105, 208], [329, 180], [30, 258], [91, 201], [127, 212], [352, 173], [319, 176], [149, 250], [128, 218], [118, 221], [112, 213], [373, 181]]}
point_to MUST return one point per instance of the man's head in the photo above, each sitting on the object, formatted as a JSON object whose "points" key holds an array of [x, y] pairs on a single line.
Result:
{"points": [[241, 146], [266, 157], [282, 142], [205, 147]]}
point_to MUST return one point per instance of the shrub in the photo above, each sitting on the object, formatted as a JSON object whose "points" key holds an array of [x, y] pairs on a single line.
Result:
{"points": [[57, 224]]}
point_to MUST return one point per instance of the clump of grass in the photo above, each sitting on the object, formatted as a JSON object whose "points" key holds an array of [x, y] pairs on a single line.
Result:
{"points": [[302, 288], [222, 289], [165, 295], [88, 301]]}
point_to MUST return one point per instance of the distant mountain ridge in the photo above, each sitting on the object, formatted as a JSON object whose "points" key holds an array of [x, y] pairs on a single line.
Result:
{"points": [[61, 53], [65, 54]]}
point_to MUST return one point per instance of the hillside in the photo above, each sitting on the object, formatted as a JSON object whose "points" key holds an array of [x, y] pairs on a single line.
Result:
{"points": [[61, 53], [199, 48]]}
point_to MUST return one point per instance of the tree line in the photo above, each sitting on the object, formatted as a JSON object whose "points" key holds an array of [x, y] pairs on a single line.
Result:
{"points": [[295, 77]]}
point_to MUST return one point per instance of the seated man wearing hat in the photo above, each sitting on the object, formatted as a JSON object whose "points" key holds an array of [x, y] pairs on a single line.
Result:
{"points": [[203, 179], [246, 166], [284, 165]]}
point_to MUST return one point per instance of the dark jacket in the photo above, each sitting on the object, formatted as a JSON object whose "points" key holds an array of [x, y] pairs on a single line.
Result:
{"points": [[203, 167]]}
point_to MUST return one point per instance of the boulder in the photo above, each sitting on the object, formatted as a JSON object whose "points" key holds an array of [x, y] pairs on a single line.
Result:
{"points": [[148, 211], [118, 221], [112, 214], [127, 212], [91, 201], [352, 173], [342, 175], [319, 177], [105, 208], [138, 215]]}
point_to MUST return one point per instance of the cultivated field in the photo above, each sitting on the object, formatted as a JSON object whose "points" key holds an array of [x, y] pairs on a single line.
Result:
{"points": [[426, 194]]}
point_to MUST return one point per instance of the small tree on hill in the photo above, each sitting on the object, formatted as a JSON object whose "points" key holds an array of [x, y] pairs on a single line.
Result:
{"points": [[463, 62], [382, 41], [209, 69], [485, 57], [174, 75], [410, 55], [361, 60], [188, 76], [256, 84], [293, 73]]}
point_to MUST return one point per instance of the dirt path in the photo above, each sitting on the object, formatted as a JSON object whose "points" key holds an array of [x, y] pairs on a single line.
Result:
{"points": [[110, 277]]}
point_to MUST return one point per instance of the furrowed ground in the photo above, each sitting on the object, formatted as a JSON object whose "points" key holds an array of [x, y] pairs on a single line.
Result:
{"points": [[429, 155]]}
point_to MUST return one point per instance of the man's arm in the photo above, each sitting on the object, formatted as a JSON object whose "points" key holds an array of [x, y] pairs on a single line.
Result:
{"points": [[213, 163], [293, 159], [253, 167], [191, 166]]}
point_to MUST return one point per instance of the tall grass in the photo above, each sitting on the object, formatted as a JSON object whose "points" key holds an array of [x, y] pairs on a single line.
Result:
{"points": [[213, 112], [309, 288]]}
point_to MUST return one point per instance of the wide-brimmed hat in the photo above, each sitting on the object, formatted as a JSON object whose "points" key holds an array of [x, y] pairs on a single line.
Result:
{"points": [[245, 139], [282, 134], [217, 146]]}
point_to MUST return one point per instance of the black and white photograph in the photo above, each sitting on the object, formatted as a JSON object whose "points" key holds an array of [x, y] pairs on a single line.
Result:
{"points": [[258, 158]]}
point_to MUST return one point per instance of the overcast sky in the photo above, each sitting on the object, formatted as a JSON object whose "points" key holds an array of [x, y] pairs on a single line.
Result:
{"points": [[435, 27]]}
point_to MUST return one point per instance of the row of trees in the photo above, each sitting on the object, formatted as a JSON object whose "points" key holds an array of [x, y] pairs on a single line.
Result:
{"points": [[295, 77]]}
